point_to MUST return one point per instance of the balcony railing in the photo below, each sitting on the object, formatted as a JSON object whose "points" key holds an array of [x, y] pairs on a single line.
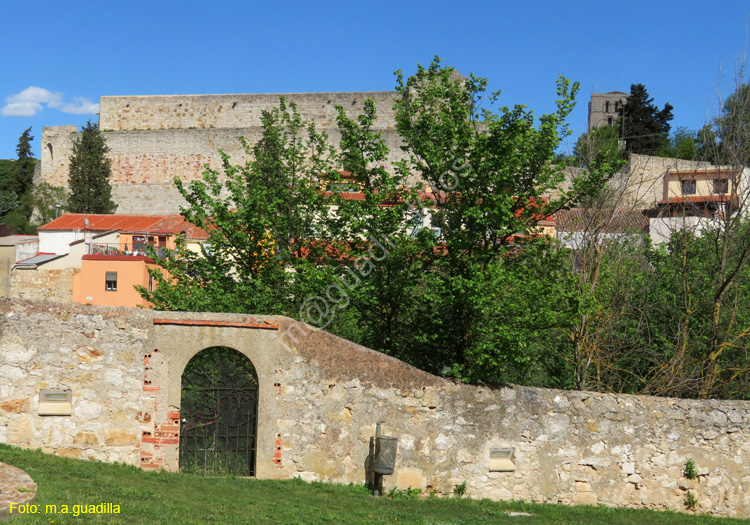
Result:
{"points": [[121, 249]]}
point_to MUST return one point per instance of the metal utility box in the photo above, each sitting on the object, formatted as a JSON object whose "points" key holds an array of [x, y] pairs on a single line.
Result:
{"points": [[54, 402], [385, 455]]}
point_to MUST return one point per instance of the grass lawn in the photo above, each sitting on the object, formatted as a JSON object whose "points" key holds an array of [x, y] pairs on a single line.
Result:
{"points": [[147, 497]]}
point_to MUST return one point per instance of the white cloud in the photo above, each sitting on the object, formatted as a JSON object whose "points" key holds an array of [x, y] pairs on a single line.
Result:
{"points": [[80, 106], [21, 109], [31, 101], [33, 94]]}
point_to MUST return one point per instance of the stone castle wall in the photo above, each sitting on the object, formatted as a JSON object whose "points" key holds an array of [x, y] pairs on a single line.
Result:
{"points": [[234, 111], [320, 397], [152, 140]]}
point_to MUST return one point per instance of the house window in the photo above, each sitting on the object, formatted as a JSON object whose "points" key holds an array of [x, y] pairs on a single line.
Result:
{"points": [[150, 283], [721, 186], [606, 107], [110, 282], [609, 121], [688, 187]]}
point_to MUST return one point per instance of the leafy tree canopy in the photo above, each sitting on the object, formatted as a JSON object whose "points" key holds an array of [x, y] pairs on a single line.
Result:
{"points": [[261, 221], [726, 139], [458, 299], [645, 127], [16, 181], [598, 145], [88, 180]]}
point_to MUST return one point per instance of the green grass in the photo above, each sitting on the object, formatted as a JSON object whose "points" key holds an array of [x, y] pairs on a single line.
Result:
{"points": [[148, 497]]}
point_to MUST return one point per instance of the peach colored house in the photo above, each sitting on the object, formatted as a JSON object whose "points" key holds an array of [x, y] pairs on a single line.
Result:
{"points": [[698, 199], [110, 280], [107, 254]]}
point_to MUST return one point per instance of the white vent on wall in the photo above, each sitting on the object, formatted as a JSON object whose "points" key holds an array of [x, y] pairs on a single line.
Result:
{"points": [[55, 402], [501, 460]]}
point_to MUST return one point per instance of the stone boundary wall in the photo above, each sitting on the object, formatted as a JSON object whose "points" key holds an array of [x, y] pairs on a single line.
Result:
{"points": [[40, 284], [320, 397], [233, 111]]}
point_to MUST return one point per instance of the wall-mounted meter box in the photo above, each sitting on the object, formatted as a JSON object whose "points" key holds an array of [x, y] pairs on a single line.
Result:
{"points": [[53, 402], [501, 460]]}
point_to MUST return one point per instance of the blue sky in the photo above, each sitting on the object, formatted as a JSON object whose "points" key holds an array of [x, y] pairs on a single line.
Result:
{"points": [[75, 52]]}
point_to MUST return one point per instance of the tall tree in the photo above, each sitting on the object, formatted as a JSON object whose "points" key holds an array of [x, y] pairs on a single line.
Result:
{"points": [[469, 297], [23, 169], [599, 144], [490, 173], [48, 202], [88, 181], [645, 127], [725, 140], [16, 185]]}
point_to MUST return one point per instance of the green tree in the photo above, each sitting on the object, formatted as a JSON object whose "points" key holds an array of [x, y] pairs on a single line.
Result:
{"points": [[489, 174], [726, 139], [6, 168], [469, 297], [388, 212], [263, 224], [645, 126], [16, 185], [23, 170], [600, 144], [48, 202], [683, 144], [88, 180]]}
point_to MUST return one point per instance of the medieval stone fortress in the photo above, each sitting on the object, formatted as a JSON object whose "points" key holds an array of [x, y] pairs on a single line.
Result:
{"points": [[153, 139], [318, 397]]}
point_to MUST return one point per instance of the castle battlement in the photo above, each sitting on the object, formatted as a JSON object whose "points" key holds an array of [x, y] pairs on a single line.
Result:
{"points": [[233, 111]]}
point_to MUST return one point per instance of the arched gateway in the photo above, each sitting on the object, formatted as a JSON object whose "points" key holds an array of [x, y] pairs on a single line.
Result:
{"points": [[219, 413]]}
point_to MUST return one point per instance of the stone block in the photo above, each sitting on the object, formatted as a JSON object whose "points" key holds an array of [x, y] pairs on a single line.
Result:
{"points": [[74, 453], [410, 477], [21, 431], [85, 439], [586, 498], [16, 406]]}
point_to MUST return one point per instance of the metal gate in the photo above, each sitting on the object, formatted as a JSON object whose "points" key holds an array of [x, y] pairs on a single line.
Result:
{"points": [[218, 414]]}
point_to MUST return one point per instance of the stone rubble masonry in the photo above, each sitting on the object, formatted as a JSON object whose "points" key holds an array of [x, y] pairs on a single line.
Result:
{"points": [[321, 396], [153, 139], [40, 284], [233, 111]]}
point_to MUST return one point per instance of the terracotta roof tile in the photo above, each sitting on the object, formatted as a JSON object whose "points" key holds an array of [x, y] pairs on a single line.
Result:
{"points": [[166, 224], [602, 221]]}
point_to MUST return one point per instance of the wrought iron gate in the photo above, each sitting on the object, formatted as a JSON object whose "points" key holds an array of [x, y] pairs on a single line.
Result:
{"points": [[219, 414]]}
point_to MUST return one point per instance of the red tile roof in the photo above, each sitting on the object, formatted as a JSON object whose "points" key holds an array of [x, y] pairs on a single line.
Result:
{"points": [[697, 198], [165, 224], [604, 220], [423, 196]]}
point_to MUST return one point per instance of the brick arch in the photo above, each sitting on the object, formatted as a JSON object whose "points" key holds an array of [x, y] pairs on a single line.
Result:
{"points": [[218, 413], [176, 340]]}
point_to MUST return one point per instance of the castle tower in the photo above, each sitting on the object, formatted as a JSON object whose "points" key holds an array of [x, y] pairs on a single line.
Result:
{"points": [[604, 108]]}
